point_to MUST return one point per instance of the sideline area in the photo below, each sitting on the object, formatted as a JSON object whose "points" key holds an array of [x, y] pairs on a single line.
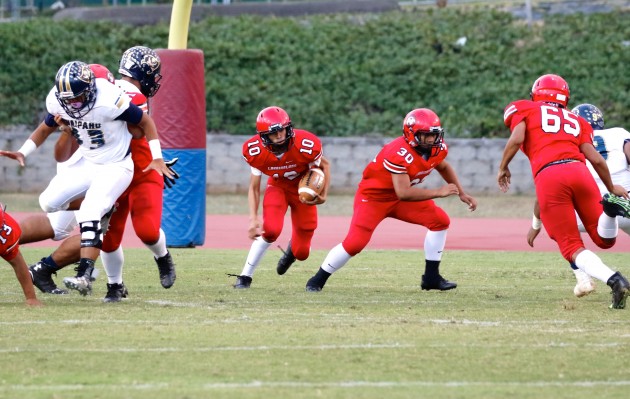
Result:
{"points": [[230, 232]]}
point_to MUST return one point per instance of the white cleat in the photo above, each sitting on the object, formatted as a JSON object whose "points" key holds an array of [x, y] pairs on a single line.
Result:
{"points": [[585, 284], [81, 284]]}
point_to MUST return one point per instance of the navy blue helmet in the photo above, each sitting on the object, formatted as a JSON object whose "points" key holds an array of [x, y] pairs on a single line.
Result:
{"points": [[76, 88], [142, 64], [592, 114]]}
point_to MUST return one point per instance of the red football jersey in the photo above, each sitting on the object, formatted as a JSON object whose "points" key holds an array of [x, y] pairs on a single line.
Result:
{"points": [[286, 170], [396, 157], [552, 133], [10, 233]]}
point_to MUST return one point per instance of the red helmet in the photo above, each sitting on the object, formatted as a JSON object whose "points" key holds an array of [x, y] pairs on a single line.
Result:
{"points": [[420, 122], [101, 71], [551, 89], [271, 120]]}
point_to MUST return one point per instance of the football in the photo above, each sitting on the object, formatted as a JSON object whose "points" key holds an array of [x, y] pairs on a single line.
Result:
{"points": [[311, 184]]}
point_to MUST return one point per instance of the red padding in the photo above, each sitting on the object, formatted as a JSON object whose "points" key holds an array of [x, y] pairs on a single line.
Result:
{"points": [[179, 107]]}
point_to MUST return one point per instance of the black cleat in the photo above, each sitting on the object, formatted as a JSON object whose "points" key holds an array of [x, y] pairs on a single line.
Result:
{"points": [[615, 206], [41, 273], [167, 270], [115, 293], [286, 260], [313, 285], [242, 282], [439, 284], [620, 290]]}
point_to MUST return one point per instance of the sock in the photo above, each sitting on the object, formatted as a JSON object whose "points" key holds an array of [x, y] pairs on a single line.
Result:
{"points": [[51, 262], [113, 265], [84, 265], [573, 266], [431, 270], [320, 278], [159, 248], [607, 227], [336, 259], [434, 243], [256, 252], [592, 265]]}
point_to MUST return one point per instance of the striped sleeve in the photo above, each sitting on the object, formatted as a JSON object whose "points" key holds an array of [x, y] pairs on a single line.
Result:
{"points": [[393, 168]]}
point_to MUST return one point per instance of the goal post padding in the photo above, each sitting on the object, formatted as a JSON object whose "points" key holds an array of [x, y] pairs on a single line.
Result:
{"points": [[179, 111]]}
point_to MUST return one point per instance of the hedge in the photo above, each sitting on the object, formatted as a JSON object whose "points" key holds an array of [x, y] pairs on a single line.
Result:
{"points": [[347, 75]]}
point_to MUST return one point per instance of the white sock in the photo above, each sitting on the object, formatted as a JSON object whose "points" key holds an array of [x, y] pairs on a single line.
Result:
{"points": [[113, 265], [336, 259], [607, 227], [256, 252], [434, 243], [580, 275], [159, 248], [593, 265]]}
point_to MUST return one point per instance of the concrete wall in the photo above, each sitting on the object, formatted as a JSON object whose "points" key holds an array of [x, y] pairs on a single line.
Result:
{"points": [[475, 161]]}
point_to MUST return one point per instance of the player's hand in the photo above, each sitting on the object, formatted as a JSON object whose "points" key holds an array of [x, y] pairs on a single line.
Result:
{"points": [[318, 200], [531, 236], [448, 190], [254, 229], [503, 178], [170, 181], [159, 166], [18, 156], [619, 191], [472, 203], [34, 302]]}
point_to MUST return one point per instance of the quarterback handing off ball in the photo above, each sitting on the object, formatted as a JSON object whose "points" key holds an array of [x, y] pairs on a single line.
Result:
{"points": [[311, 184]]}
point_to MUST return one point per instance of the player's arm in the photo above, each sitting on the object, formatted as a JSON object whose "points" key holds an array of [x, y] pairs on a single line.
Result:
{"points": [[66, 144], [37, 137], [601, 168], [626, 150], [534, 230], [406, 192], [24, 277], [511, 148], [324, 165], [449, 175], [253, 202]]}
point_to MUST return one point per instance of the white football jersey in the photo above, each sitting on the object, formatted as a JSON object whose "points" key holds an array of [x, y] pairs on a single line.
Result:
{"points": [[134, 94], [101, 138], [609, 143]]}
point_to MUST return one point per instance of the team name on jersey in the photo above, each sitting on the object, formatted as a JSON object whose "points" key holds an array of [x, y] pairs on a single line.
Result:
{"points": [[282, 167], [85, 125]]}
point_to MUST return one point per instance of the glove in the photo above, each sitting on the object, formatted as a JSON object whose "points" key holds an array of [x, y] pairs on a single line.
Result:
{"points": [[168, 182]]}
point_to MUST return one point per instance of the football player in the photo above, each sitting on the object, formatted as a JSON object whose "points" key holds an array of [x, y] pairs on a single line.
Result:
{"points": [[10, 251], [614, 145], [283, 154], [557, 143], [96, 113], [390, 187]]}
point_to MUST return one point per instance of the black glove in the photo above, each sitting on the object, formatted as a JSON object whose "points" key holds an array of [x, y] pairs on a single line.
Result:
{"points": [[168, 182]]}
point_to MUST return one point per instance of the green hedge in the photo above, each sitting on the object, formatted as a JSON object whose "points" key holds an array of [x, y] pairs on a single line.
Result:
{"points": [[348, 75]]}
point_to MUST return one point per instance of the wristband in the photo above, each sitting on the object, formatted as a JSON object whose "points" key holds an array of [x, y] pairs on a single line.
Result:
{"points": [[536, 223], [28, 147], [156, 149]]}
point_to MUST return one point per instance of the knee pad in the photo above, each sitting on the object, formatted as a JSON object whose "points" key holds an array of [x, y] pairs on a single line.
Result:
{"points": [[91, 234]]}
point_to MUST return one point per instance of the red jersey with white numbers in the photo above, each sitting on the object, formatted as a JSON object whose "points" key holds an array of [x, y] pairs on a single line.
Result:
{"points": [[396, 157], [10, 233], [553, 133], [284, 171]]}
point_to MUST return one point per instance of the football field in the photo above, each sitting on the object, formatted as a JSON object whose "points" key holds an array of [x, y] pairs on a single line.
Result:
{"points": [[511, 329]]}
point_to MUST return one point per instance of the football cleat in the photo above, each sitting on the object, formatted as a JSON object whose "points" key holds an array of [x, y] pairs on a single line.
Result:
{"points": [[167, 270], [286, 260], [439, 284], [41, 273], [584, 285], [314, 285], [115, 293], [242, 282], [82, 282], [620, 290], [615, 206]]}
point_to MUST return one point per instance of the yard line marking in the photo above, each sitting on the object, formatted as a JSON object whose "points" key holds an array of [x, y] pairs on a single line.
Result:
{"points": [[305, 384]]}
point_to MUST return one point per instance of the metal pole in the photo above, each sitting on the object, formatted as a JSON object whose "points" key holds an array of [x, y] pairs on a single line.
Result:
{"points": [[528, 12]]}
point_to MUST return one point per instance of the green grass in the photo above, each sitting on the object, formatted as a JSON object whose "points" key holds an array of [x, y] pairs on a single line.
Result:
{"points": [[511, 329]]}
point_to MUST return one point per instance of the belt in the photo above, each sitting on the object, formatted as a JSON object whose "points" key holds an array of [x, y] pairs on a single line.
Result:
{"points": [[558, 162]]}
